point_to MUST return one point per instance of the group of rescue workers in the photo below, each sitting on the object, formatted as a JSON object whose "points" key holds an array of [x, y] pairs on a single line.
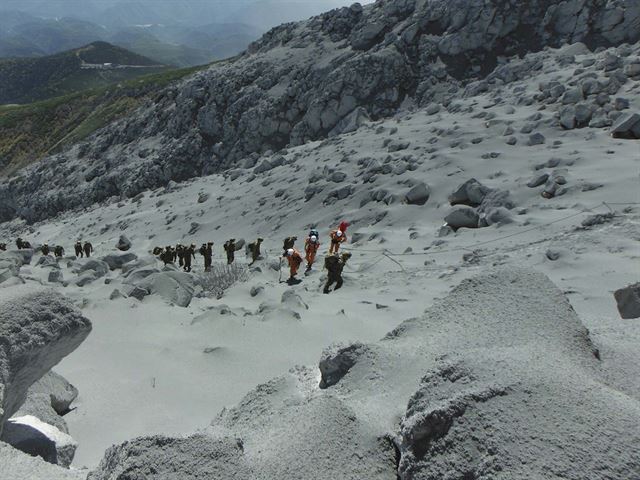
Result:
{"points": [[184, 255], [333, 263]]}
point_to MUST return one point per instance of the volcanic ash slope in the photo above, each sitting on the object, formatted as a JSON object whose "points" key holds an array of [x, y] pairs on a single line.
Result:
{"points": [[498, 380]]}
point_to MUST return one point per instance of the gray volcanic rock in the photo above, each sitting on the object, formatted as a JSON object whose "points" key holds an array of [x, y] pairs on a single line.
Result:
{"points": [[366, 60], [628, 300], [116, 261], [462, 218], [37, 330], [428, 401], [17, 465], [123, 244]]}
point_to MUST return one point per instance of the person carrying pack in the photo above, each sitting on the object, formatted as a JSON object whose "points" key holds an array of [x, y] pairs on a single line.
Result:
{"points": [[311, 246]]}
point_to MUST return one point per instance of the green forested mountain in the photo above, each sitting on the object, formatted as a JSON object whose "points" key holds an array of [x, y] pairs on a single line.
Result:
{"points": [[24, 80]]}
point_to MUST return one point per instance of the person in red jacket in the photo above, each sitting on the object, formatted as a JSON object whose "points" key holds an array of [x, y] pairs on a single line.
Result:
{"points": [[311, 246], [295, 260], [337, 237]]}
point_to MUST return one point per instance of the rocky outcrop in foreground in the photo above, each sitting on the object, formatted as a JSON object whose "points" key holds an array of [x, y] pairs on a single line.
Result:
{"points": [[309, 80], [489, 383]]}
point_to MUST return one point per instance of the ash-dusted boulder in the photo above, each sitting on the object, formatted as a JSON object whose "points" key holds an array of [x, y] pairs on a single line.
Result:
{"points": [[17, 465], [18, 257], [418, 195], [116, 261], [55, 276], [31, 435], [192, 458], [97, 268], [351, 122], [37, 330], [175, 287], [47, 261], [464, 217], [470, 193], [627, 126], [337, 360], [123, 244], [293, 300], [628, 300]]}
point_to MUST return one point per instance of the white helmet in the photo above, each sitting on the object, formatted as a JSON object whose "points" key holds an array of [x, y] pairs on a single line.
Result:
{"points": [[313, 238], [290, 252], [338, 233]]}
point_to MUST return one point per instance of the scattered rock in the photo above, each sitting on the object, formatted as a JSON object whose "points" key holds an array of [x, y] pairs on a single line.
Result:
{"points": [[462, 218], [116, 261], [628, 301], [124, 244], [627, 127], [337, 360], [418, 195]]}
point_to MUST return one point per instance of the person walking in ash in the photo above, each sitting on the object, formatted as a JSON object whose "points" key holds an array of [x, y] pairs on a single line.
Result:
{"points": [[311, 246], [254, 250], [230, 247], [3, 247], [45, 249], [206, 250], [88, 249], [168, 256], [295, 260], [78, 248], [334, 265], [58, 251], [289, 243], [188, 253], [338, 237], [22, 244], [157, 251]]}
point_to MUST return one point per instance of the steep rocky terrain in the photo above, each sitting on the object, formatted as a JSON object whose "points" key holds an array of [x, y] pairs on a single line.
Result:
{"points": [[495, 192], [307, 80]]}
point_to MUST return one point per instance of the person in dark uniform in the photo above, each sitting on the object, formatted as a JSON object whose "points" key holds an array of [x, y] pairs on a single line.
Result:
{"points": [[230, 248], [206, 250], [168, 256], [254, 250], [45, 249], [180, 254], [88, 249], [3, 247], [334, 266], [58, 251], [157, 251], [78, 249], [188, 254]]}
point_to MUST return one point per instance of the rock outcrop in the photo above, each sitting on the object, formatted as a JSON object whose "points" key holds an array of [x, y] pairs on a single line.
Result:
{"points": [[37, 330], [304, 81], [489, 383]]}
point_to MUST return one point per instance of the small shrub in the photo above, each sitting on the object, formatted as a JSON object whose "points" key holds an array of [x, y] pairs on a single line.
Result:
{"points": [[222, 277]]}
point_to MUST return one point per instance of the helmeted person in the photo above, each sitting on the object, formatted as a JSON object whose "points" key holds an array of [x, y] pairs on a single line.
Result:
{"points": [[334, 265], [311, 246], [188, 253], [88, 249], [58, 251], [156, 251], [295, 260], [78, 248], [289, 243], [20, 243], [230, 248], [180, 254], [168, 256], [45, 249], [338, 237], [206, 250], [3, 247], [254, 250]]}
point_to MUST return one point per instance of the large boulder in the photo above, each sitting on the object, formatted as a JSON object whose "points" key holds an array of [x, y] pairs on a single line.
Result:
{"points": [[470, 193], [96, 267], [37, 330], [116, 261], [627, 126], [123, 244], [175, 287], [31, 435], [418, 195], [628, 301], [464, 217]]}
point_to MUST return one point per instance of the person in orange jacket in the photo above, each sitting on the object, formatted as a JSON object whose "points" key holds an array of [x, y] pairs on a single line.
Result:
{"points": [[337, 237], [311, 246], [295, 260]]}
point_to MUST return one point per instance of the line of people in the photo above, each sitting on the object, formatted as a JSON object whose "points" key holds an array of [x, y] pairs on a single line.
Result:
{"points": [[185, 254], [81, 249]]}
